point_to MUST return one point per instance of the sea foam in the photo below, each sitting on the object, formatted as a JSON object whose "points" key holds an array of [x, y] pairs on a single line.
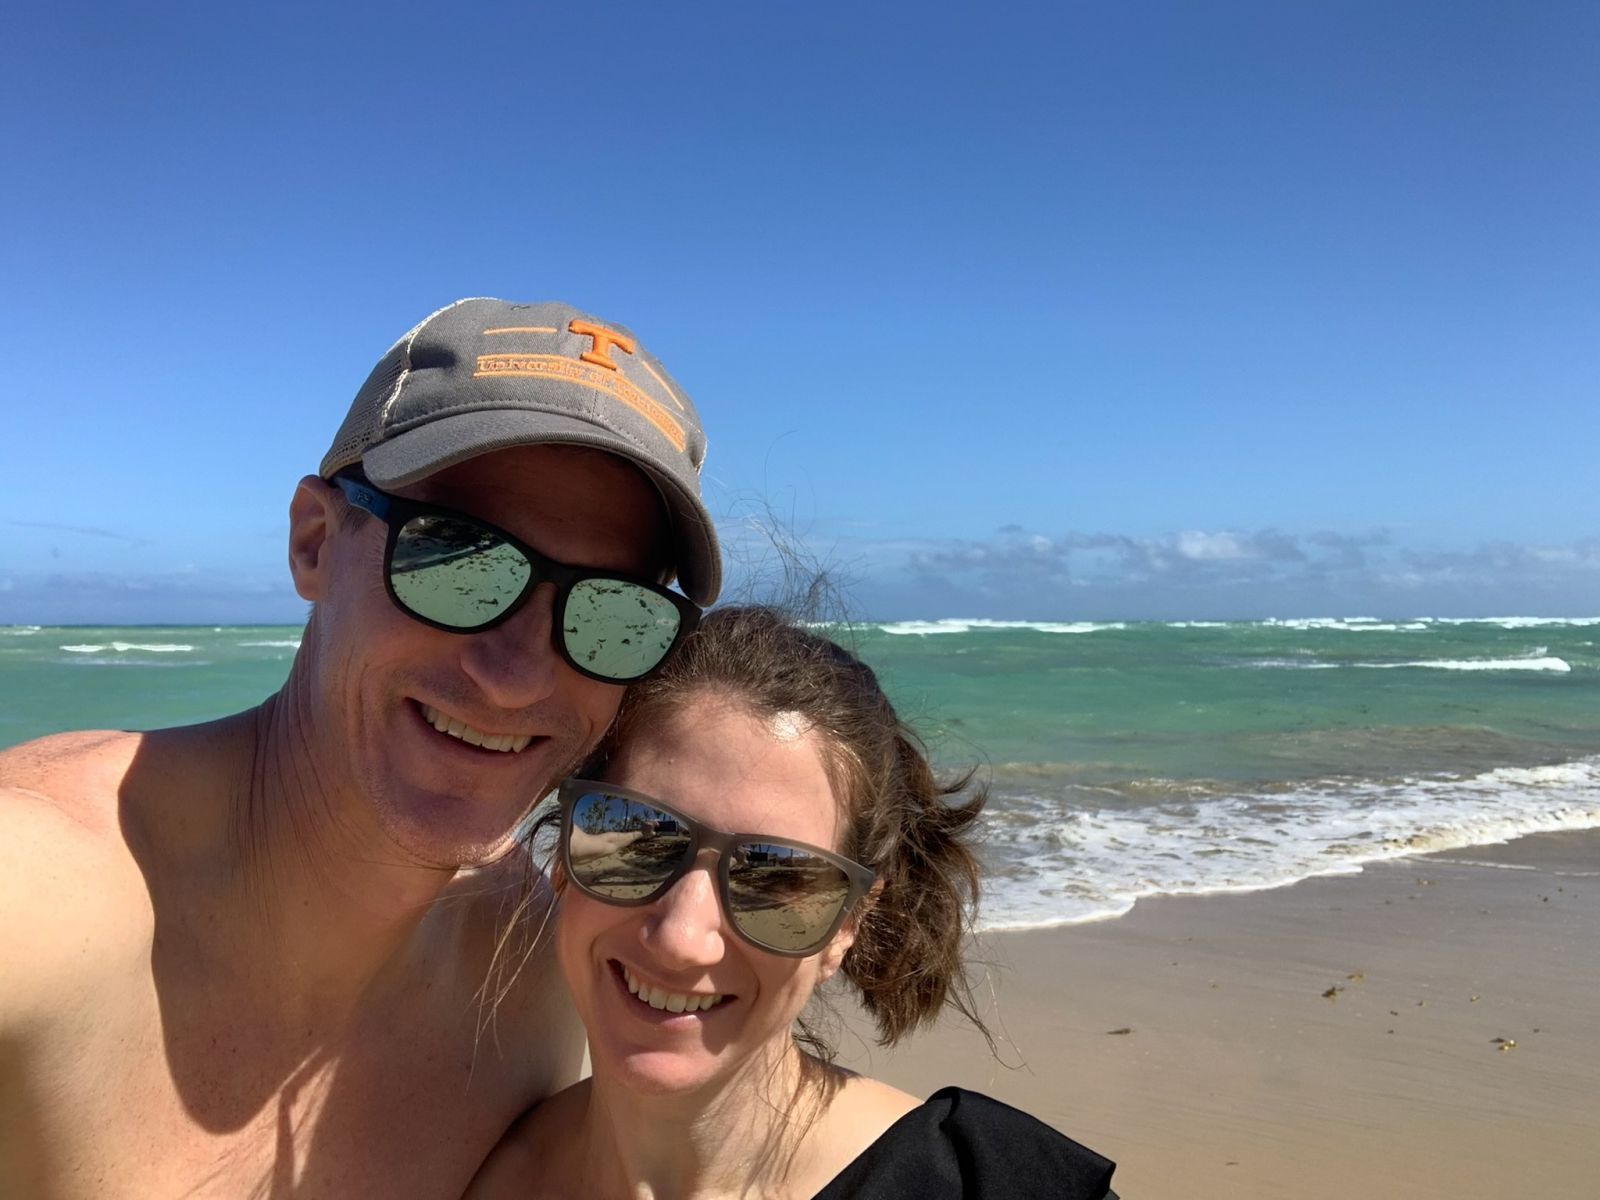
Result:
{"points": [[1051, 862], [969, 625], [1519, 622], [1540, 662], [1477, 664], [125, 647], [1346, 624]]}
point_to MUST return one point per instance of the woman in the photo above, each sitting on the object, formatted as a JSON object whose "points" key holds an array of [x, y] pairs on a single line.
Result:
{"points": [[691, 952]]}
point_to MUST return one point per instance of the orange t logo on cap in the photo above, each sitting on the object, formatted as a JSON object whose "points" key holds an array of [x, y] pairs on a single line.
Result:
{"points": [[604, 339]]}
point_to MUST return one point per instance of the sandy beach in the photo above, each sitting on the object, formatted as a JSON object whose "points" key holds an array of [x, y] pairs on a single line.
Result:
{"points": [[1429, 1027]]}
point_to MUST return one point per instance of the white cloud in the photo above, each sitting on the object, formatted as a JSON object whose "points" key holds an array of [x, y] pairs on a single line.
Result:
{"points": [[1210, 546], [175, 597], [1221, 573]]}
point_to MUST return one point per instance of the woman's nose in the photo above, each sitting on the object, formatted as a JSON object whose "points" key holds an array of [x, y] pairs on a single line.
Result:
{"points": [[684, 928]]}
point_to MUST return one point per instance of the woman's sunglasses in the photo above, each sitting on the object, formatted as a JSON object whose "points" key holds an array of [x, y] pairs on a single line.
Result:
{"points": [[623, 847], [461, 574]]}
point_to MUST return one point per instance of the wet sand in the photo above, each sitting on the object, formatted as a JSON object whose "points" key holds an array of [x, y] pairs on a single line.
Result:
{"points": [[1430, 1027]]}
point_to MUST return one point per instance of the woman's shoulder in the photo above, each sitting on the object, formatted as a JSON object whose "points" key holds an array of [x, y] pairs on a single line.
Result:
{"points": [[867, 1103], [856, 1111], [961, 1143]]}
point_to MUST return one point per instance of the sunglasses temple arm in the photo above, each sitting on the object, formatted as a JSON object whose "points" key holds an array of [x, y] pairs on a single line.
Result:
{"points": [[362, 496]]}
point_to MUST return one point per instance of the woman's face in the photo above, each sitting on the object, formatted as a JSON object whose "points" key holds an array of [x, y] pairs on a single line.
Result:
{"points": [[712, 761]]}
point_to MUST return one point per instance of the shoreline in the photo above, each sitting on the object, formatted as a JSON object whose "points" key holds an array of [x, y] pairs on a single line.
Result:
{"points": [[1328, 1038], [1356, 867]]}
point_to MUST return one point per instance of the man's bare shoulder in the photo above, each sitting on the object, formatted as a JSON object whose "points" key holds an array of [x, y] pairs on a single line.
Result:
{"points": [[70, 777], [506, 912], [64, 866]]}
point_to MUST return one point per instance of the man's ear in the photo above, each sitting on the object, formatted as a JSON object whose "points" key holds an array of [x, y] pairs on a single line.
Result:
{"points": [[313, 514]]}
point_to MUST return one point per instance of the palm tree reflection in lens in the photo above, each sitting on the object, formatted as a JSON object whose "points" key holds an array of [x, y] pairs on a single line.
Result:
{"points": [[622, 849]]}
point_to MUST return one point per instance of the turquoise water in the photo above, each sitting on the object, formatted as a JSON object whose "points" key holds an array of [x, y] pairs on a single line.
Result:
{"points": [[144, 677], [1286, 700], [1125, 760]]}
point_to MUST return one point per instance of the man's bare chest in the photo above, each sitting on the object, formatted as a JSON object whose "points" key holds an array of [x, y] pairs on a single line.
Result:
{"points": [[133, 1104]]}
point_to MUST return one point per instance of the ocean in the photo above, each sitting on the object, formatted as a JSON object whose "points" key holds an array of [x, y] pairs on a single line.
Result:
{"points": [[1124, 760]]}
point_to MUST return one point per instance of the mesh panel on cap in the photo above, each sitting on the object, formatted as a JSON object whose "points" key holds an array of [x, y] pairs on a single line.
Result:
{"points": [[364, 422]]}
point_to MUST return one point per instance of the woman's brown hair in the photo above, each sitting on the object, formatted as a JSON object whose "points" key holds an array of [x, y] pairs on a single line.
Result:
{"points": [[912, 829]]}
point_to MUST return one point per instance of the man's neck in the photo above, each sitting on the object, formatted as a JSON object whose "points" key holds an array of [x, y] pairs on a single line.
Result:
{"points": [[304, 900]]}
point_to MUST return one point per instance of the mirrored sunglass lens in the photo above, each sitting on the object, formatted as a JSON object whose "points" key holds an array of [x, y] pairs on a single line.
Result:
{"points": [[618, 629], [784, 897], [455, 572], [622, 849]]}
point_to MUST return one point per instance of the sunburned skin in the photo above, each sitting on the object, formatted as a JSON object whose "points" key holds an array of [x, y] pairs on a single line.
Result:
{"points": [[254, 962]]}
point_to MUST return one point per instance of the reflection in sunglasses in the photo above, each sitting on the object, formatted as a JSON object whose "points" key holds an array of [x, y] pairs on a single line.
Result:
{"points": [[624, 864], [784, 897], [455, 572]]}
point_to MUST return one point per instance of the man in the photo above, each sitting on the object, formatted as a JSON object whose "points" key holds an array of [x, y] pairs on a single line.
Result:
{"points": [[242, 958]]}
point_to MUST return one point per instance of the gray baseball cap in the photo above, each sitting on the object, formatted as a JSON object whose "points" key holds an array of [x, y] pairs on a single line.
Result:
{"points": [[483, 374]]}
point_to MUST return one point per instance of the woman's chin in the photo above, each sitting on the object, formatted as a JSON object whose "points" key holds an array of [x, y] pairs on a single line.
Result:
{"points": [[659, 1073]]}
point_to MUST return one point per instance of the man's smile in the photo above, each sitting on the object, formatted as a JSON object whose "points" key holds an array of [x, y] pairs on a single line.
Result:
{"points": [[506, 743]]}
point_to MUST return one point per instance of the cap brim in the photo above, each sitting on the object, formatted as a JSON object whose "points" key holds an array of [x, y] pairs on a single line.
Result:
{"points": [[417, 453]]}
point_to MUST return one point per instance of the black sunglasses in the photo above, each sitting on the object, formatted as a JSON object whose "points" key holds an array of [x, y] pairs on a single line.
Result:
{"points": [[626, 848], [458, 573]]}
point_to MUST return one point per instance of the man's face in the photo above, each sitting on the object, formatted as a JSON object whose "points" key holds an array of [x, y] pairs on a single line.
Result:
{"points": [[384, 681]]}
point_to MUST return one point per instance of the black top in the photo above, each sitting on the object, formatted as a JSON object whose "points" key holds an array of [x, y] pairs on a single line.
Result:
{"points": [[960, 1144]]}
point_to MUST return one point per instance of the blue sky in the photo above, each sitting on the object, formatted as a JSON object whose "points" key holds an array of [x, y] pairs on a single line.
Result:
{"points": [[1050, 311]]}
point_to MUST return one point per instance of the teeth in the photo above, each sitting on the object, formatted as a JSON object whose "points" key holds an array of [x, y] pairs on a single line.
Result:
{"points": [[512, 743], [675, 1002]]}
